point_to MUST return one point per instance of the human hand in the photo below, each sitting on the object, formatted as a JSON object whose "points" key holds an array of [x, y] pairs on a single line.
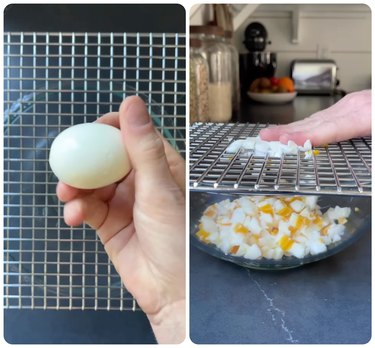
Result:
{"points": [[141, 220], [348, 118]]}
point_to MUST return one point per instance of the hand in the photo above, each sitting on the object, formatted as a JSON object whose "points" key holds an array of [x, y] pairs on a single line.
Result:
{"points": [[348, 118], [141, 220]]}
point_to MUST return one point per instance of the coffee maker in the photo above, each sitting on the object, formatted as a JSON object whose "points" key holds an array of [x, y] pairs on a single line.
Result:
{"points": [[257, 62]]}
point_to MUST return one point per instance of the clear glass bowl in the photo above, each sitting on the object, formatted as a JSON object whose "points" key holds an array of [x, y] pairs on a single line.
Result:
{"points": [[40, 249], [358, 222]]}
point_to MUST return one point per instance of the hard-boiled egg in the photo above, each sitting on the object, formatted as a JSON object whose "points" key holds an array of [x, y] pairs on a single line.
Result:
{"points": [[272, 227], [89, 156]]}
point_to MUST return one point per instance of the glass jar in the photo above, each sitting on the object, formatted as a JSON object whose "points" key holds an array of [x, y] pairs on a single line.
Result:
{"points": [[198, 83], [235, 61], [218, 57]]}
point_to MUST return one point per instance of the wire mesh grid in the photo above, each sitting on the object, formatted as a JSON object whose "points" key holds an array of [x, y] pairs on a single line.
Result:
{"points": [[339, 168], [52, 81]]}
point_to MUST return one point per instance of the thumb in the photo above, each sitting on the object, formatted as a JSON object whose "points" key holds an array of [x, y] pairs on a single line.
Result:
{"points": [[143, 143]]}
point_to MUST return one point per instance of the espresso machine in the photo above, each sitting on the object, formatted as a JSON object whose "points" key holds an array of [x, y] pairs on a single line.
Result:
{"points": [[258, 62]]}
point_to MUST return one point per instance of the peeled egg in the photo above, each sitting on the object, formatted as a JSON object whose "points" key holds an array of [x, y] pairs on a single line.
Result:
{"points": [[89, 156]]}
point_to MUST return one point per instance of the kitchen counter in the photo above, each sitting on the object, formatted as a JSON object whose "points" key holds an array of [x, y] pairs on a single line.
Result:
{"points": [[320, 303], [23, 326], [301, 107]]}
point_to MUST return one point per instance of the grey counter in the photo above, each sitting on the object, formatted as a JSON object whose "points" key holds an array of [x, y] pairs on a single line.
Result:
{"points": [[299, 108], [324, 302], [22, 326]]}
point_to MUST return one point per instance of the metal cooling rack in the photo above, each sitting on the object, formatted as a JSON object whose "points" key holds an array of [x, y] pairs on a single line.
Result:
{"points": [[340, 168], [52, 81]]}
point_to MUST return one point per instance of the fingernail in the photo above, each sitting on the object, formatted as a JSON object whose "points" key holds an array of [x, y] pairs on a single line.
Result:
{"points": [[136, 112]]}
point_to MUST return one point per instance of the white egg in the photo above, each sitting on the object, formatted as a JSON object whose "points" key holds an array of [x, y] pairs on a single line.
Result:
{"points": [[297, 205], [335, 232], [209, 224], [272, 148], [311, 201], [292, 148], [254, 226], [264, 231], [238, 216], [284, 228], [235, 146], [297, 250], [261, 148], [317, 247], [278, 205], [249, 143], [89, 156], [253, 252], [247, 205], [276, 149], [307, 145]]}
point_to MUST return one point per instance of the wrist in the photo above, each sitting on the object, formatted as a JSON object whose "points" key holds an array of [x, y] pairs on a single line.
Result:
{"points": [[169, 323]]}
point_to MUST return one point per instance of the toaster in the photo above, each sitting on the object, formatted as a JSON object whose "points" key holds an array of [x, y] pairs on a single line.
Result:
{"points": [[314, 76]]}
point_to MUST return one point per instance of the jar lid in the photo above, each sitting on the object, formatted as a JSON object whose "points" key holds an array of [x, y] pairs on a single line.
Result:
{"points": [[207, 30]]}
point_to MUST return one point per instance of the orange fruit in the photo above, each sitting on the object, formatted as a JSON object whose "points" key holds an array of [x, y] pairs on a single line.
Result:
{"points": [[287, 83]]}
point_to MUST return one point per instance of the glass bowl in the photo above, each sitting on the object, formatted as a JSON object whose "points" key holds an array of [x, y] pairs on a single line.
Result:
{"points": [[359, 222], [40, 250]]}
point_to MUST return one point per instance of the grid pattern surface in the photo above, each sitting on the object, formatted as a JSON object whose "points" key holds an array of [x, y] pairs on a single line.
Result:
{"points": [[340, 168], [52, 81]]}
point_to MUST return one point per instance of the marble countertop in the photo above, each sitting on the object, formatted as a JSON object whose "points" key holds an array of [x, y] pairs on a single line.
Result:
{"points": [[325, 302]]}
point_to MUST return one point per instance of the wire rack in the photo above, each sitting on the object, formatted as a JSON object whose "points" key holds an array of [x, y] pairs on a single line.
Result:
{"points": [[52, 81], [340, 168]]}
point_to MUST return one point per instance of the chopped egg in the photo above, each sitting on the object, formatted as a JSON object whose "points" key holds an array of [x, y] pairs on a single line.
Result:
{"points": [[253, 252], [262, 148], [249, 143], [256, 227], [235, 146], [297, 205]]}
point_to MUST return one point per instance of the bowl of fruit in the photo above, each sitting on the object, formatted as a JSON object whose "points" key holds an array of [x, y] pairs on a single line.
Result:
{"points": [[272, 90]]}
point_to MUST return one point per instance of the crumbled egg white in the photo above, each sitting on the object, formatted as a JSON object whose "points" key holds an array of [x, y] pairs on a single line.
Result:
{"points": [[272, 227], [272, 148]]}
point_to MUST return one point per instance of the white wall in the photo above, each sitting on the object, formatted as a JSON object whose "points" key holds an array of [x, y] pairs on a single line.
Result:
{"points": [[340, 32]]}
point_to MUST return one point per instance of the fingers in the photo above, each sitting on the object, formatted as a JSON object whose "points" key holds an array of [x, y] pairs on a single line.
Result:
{"points": [[348, 118], [107, 210], [66, 193], [120, 213], [143, 143], [298, 137], [271, 133], [111, 118], [317, 135], [298, 131], [175, 162], [88, 209], [87, 206]]}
